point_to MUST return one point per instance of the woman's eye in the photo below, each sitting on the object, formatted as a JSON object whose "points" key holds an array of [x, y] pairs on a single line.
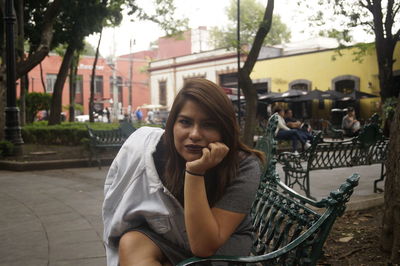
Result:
{"points": [[184, 121]]}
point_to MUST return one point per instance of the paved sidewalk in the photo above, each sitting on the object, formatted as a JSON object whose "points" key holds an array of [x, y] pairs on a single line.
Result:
{"points": [[53, 217]]}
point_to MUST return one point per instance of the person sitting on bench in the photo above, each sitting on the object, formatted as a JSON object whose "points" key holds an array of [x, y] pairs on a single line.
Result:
{"points": [[283, 132], [350, 124], [303, 128]]}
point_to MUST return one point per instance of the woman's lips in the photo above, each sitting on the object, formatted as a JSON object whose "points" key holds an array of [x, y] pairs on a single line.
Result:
{"points": [[194, 148]]}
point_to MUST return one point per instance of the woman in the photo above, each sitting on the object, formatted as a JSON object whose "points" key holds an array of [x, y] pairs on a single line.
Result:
{"points": [[350, 124], [184, 191]]}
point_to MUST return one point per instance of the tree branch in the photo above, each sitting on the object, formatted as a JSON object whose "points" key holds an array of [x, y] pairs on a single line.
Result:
{"points": [[389, 20], [265, 26], [43, 49]]}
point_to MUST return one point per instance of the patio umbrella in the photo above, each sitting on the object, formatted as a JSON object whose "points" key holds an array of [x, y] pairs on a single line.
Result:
{"points": [[318, 95], [286, 96], [270, 97], [357, 95]]}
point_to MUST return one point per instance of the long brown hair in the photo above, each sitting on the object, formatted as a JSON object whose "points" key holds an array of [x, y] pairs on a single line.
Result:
{"points": [[213, 100]]}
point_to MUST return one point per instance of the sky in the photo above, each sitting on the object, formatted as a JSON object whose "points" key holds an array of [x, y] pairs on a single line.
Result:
{"points": [[200, 13]]}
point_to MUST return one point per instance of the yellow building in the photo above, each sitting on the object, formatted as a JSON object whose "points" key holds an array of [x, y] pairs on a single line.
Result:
{"points": [[324, 70]]}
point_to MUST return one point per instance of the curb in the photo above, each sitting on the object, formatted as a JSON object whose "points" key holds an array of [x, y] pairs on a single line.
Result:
{"points": [[49, 165]]}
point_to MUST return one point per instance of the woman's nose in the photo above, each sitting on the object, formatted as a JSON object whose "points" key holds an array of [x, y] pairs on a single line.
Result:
{"points": [[195, 132]]}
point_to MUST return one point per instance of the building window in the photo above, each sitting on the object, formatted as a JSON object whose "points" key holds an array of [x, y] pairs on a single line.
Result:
{"points": [[346, 84], [50, 82], [98, 86], [300, 84], [263, 86], [301, 110], [119, 86], [79, 89], [162, 88], [229, 80], [78, 84]]}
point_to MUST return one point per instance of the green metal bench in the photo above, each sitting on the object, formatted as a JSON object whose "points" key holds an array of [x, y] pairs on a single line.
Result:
{"points": [[369, 147], [107, 139], [289, 229]]}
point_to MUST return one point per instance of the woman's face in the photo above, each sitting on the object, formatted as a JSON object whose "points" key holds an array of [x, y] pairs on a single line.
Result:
{"points": [[193, 130]]}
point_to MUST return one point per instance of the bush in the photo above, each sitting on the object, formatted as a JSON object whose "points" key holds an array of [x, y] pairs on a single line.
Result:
{"points": [[36, 101], [67, 133], [6, 148]]}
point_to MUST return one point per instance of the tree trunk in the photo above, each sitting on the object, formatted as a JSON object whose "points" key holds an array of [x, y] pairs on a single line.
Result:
{"points": [[72, 87], [384, 53], [246, 83], [35, 58], [391, 217], [91, 99], [56, 100], [42, 78], [385, 43]]}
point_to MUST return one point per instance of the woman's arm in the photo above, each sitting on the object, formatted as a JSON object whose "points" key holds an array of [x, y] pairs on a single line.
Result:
{"points": [[282, 124], [207, 229]]}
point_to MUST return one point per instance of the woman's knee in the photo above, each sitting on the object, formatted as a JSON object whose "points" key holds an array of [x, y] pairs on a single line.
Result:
{"points": [[135, 248]]}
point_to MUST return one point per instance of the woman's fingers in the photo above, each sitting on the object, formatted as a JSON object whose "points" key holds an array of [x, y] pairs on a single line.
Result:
{"points": [[212, 156], [218, 151]]}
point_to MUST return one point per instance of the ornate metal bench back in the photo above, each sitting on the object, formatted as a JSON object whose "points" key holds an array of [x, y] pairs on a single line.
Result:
{"points": [[267, 144], [367, 148], [112, 136], [288, 228]]}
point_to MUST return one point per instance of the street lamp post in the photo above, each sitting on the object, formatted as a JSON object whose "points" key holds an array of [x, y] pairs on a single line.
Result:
{"points": [[12, 125]]}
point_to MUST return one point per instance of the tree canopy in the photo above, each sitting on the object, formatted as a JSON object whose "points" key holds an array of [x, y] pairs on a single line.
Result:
{"points": [[380, 19], [251, 15]]}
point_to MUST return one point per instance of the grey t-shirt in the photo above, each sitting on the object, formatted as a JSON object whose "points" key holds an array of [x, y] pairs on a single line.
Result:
{"points": [[239, 197]]}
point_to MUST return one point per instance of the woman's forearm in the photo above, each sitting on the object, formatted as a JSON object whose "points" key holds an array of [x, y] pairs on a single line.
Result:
{"points": [[201, 226]]}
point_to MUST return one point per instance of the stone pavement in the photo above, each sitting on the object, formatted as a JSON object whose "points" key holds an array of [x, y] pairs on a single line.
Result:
{"points": [[53, 217]]}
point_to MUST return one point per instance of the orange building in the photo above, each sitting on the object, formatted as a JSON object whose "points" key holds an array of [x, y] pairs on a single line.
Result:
{"points": [[132, 80], [132, 77]]}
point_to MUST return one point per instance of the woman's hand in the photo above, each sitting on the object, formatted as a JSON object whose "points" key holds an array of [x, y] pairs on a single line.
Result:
{"points": [[212, 156]]}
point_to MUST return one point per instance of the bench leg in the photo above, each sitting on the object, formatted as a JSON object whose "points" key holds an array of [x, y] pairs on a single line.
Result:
{"points": [[95, 152], [307, 186], [98, 160], [383, 174]]}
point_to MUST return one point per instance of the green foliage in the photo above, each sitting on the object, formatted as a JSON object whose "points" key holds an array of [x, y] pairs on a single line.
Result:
{"points": [[362, 49], [88, 50], [66, 133], [78, 107], [6, 148], [389, 107], [251, 14], [36, 101], [164, 15]]}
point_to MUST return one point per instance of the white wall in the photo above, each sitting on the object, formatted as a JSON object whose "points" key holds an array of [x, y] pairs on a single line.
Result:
{"points": [[192, 68]]}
